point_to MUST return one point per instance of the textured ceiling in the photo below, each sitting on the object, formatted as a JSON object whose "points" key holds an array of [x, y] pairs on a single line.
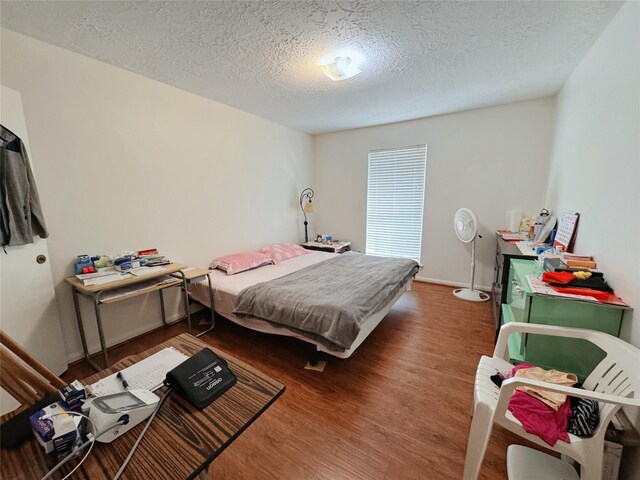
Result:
{"points": [[419, 58]]}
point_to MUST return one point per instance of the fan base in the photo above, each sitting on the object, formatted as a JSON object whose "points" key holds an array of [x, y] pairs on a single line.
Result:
{"points": [[471, 295]]}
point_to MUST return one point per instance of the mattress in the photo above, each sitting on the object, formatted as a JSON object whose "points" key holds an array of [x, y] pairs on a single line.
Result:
{"points": [[226, 289]]}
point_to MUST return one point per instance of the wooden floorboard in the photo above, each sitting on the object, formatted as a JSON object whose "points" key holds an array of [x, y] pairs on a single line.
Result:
{"points": [[399, 409]]}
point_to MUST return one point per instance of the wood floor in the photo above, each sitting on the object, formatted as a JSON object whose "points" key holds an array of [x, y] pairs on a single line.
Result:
{"points": [[399, 409]]}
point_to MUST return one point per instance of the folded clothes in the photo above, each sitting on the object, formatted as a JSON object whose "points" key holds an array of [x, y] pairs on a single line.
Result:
{"points": [[576, 279], [540, 411], [589, 292], [558, 277], [595, 283], [553, 399]]}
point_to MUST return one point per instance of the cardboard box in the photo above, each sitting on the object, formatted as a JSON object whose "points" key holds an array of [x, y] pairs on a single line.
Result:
{"points": [[611, 460], [73, 395]]}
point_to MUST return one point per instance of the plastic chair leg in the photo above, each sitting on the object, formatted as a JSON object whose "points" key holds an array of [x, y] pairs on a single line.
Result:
{"points": [[479, 436], [592, 469]]}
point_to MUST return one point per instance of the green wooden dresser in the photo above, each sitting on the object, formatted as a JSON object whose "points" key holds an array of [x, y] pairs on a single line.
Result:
{"points": [[568, 355]]}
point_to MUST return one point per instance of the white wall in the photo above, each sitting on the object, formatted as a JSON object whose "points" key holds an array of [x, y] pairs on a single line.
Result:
{"points": [[490, 160], [125, 162], [595, 166]]}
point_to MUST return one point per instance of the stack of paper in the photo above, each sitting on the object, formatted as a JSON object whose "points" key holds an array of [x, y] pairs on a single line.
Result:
{"points": [[138, 287], [147, 374], [140, 271], [101, 280]]}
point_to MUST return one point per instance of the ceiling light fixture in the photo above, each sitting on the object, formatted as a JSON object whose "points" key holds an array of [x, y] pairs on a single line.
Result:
{"points": [[340, 68]]}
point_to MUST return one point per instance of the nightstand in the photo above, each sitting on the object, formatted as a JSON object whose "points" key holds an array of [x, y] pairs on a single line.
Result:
{"points": [[333, 247]]}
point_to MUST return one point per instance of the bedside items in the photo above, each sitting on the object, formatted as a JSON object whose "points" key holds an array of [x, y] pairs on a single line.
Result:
{"points": [[336, 246]]}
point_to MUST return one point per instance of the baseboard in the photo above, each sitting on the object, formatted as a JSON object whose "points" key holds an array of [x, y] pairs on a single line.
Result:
{"points": [[112, 342], [437, 281]]}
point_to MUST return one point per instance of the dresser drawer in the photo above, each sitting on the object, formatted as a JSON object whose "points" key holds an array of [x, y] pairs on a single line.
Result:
{"points": [[566, 354]]}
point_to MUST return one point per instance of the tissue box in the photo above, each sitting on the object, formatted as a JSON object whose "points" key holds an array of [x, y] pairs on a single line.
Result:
{"points": [[58, 433]]}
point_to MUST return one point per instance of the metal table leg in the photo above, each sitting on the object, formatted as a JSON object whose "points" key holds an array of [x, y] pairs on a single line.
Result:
{"points": [[213, 316], [187, 315], [186, 298], [164, 313], [186, 302], [103, 345], [83, 336]]}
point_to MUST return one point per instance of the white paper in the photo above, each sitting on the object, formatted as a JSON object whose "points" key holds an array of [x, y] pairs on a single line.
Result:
{"points": [[128, 290], [538, 286], [527, 248], [566, 228], [114, 277], [140, 271], [147, 374]]}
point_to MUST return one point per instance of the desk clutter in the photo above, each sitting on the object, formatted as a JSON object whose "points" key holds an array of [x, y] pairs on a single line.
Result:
{"points": [[564, 276], [543, 229], [182, 439], [109, 408], [108, 286], [101, 269], [551, 240], [325, 243]]}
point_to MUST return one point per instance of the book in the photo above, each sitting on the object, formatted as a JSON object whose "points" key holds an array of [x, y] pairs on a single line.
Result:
{"points": [[573, 256], [581, 263]]}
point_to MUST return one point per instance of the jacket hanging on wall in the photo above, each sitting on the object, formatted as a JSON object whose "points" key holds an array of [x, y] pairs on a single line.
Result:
{"points": [[20, 212]]}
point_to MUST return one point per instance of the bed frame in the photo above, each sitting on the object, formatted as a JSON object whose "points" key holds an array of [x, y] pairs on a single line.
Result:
{"points": [[368, 325]]}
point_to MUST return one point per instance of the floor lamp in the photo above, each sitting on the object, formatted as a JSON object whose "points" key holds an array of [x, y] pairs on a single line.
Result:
{"points": [[306, 208]]}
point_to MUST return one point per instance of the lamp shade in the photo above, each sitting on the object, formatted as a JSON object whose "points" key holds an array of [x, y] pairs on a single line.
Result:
{"points": [[309, 208]]}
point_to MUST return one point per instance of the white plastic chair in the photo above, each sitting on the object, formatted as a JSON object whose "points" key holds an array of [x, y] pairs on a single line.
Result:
{"points": [[613, 383]]}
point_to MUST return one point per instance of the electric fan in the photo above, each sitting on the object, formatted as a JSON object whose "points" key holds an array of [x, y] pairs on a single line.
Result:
{"points": [[465, 223]]}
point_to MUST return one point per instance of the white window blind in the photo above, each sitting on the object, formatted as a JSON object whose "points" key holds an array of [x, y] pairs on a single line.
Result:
{"points": [[395, 201]]}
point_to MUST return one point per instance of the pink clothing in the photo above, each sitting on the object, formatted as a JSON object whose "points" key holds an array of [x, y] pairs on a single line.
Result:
{"points": [[539, 418]]}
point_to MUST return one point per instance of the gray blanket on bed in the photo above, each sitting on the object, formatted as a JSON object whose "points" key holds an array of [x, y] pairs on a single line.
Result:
{"points": [[328, 301]]}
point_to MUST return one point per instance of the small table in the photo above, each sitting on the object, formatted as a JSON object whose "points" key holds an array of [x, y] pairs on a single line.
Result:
{"points": [[182, 440], [99, 295], [333, 247], [193, 273]]}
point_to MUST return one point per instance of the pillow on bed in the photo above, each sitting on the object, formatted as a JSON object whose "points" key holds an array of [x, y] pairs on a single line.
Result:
{"points": [[279, 252], [240, 262]]}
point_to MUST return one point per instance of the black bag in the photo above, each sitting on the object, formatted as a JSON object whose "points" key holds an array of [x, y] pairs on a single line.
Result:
{"points": [[201, 379]]}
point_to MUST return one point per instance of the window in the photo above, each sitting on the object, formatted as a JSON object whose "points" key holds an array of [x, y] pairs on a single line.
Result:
{"points": [[395, 201]]}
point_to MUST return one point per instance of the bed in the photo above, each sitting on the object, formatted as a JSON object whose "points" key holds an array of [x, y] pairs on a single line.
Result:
{"points": [[254, 297]]}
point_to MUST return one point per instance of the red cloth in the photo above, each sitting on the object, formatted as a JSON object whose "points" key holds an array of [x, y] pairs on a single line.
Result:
{"points": [[558, 277], [539, 418], [589, 292]]}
